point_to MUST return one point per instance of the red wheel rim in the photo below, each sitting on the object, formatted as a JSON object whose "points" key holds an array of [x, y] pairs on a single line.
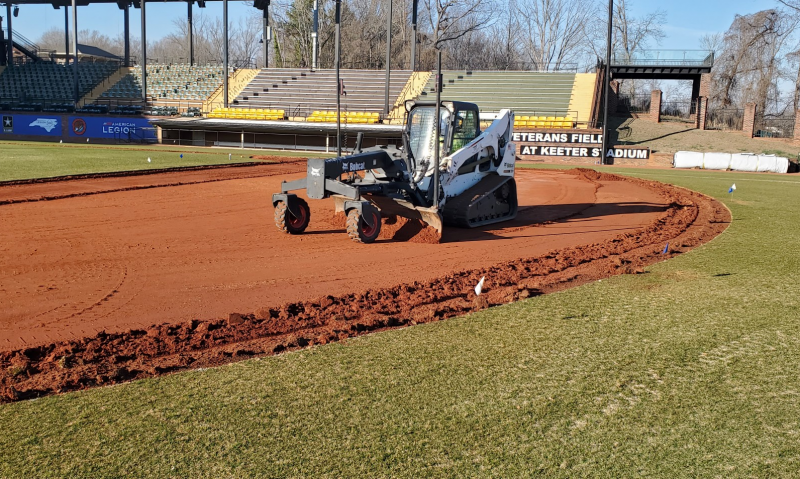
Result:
{"points": [[370, 230], [297, 221]]}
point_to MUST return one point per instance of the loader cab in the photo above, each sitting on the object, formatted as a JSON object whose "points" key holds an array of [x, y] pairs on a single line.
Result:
{"points": [[459, 124]]}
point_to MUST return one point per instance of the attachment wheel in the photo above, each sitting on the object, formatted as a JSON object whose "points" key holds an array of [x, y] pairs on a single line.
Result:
{"points": [[359, 230], [289, 223]]}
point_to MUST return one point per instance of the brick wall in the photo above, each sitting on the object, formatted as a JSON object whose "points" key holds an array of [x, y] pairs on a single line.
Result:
{"points": [[655, 106], [749, 122], [797, 125], [702, 113], [705, 85]]}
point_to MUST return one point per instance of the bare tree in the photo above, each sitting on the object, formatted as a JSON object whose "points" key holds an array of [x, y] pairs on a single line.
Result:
{"points": [[747, 70], [553, 31], [53, 39], [452, 19], [712, 42]]}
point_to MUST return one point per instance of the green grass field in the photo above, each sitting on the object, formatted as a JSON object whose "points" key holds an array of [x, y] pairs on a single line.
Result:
{"points": [[24, 160], [690, 370]]}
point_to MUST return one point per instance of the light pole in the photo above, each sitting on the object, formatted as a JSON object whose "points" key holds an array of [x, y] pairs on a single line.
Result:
{"points": [[606, 83], [314, 34], [337, 43], [388, 58]]}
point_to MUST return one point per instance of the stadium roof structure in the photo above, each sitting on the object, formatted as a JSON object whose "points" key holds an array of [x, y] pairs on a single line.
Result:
{"points": [[259, 4], [11, 42]]}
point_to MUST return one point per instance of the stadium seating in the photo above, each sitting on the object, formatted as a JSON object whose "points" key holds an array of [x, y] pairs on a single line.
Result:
{"points": [[48, 82], [543, 95], [168, 82], [527, 122], [359, 117], [301, 92], [247, 114]]}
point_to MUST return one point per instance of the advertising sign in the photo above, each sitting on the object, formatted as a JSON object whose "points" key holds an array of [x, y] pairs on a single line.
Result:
{"points": [[128, 129], [35, 125], [572, 145], [582, 152]]}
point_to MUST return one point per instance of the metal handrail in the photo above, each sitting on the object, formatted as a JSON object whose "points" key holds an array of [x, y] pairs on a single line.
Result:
{"points": [[703, 58]]}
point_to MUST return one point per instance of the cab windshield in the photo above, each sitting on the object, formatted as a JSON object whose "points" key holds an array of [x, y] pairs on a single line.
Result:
{"points": [[422, 130]]}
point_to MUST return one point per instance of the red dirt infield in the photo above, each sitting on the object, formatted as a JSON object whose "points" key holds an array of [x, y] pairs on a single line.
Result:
{"points": [[109, 279]]}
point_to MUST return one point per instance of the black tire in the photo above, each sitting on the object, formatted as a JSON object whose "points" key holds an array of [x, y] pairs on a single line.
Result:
{"points": [[289, 223], [359, 230]]}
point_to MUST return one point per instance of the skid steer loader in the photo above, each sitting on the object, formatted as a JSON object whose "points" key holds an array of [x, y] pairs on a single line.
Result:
{"points": [[472, 185]]}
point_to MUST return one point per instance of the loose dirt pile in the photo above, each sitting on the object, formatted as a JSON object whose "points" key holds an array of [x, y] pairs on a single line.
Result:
{"points": [[398, 228], [106, 358]]}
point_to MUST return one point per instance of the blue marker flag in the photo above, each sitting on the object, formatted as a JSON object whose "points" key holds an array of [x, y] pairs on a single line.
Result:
{"points": [[732, 188], [181, 155], [666, 249]]}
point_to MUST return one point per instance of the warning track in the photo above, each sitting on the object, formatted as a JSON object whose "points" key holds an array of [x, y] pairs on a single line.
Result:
{"points": [[120, 278]]}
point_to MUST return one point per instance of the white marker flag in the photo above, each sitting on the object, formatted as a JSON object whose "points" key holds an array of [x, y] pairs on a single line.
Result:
{"points": [[479, 286]]}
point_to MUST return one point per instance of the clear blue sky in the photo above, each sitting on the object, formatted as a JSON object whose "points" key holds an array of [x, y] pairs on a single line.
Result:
{"points": [[687, 20]]}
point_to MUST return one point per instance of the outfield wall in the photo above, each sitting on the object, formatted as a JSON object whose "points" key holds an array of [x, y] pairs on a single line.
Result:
{"points": [[74, 128]]}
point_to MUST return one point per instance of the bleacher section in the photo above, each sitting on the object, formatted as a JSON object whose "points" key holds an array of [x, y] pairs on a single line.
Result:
{"points": [[247, 114], [362, 117], [527, 93], [168, 82], [583, 97], [48, 82], [301, 92], [526, 121]]}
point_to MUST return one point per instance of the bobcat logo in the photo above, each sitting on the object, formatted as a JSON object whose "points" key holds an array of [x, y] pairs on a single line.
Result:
{"points": [[316, 171]]}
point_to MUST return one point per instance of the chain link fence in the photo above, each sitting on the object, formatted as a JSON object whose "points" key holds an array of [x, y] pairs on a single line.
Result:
{"points": [[774, 127], [727, 119], [634, 103]]}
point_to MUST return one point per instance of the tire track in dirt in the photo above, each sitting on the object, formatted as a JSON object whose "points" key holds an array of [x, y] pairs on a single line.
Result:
{"points": [[73, 186], [690, 220]]}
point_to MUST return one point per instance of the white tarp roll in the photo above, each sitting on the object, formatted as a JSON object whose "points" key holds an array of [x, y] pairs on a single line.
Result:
{"points": [[736, 162], [744, 162], [773, 164], [716, 161], [687, 159]]}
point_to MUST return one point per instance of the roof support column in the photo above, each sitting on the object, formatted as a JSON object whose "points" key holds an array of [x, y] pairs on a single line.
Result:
{"points": [[266, 36], [66, 35], [144, 54], [10, 40], [225, 53], [75, 49], [127, 34], [191, 33]]}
